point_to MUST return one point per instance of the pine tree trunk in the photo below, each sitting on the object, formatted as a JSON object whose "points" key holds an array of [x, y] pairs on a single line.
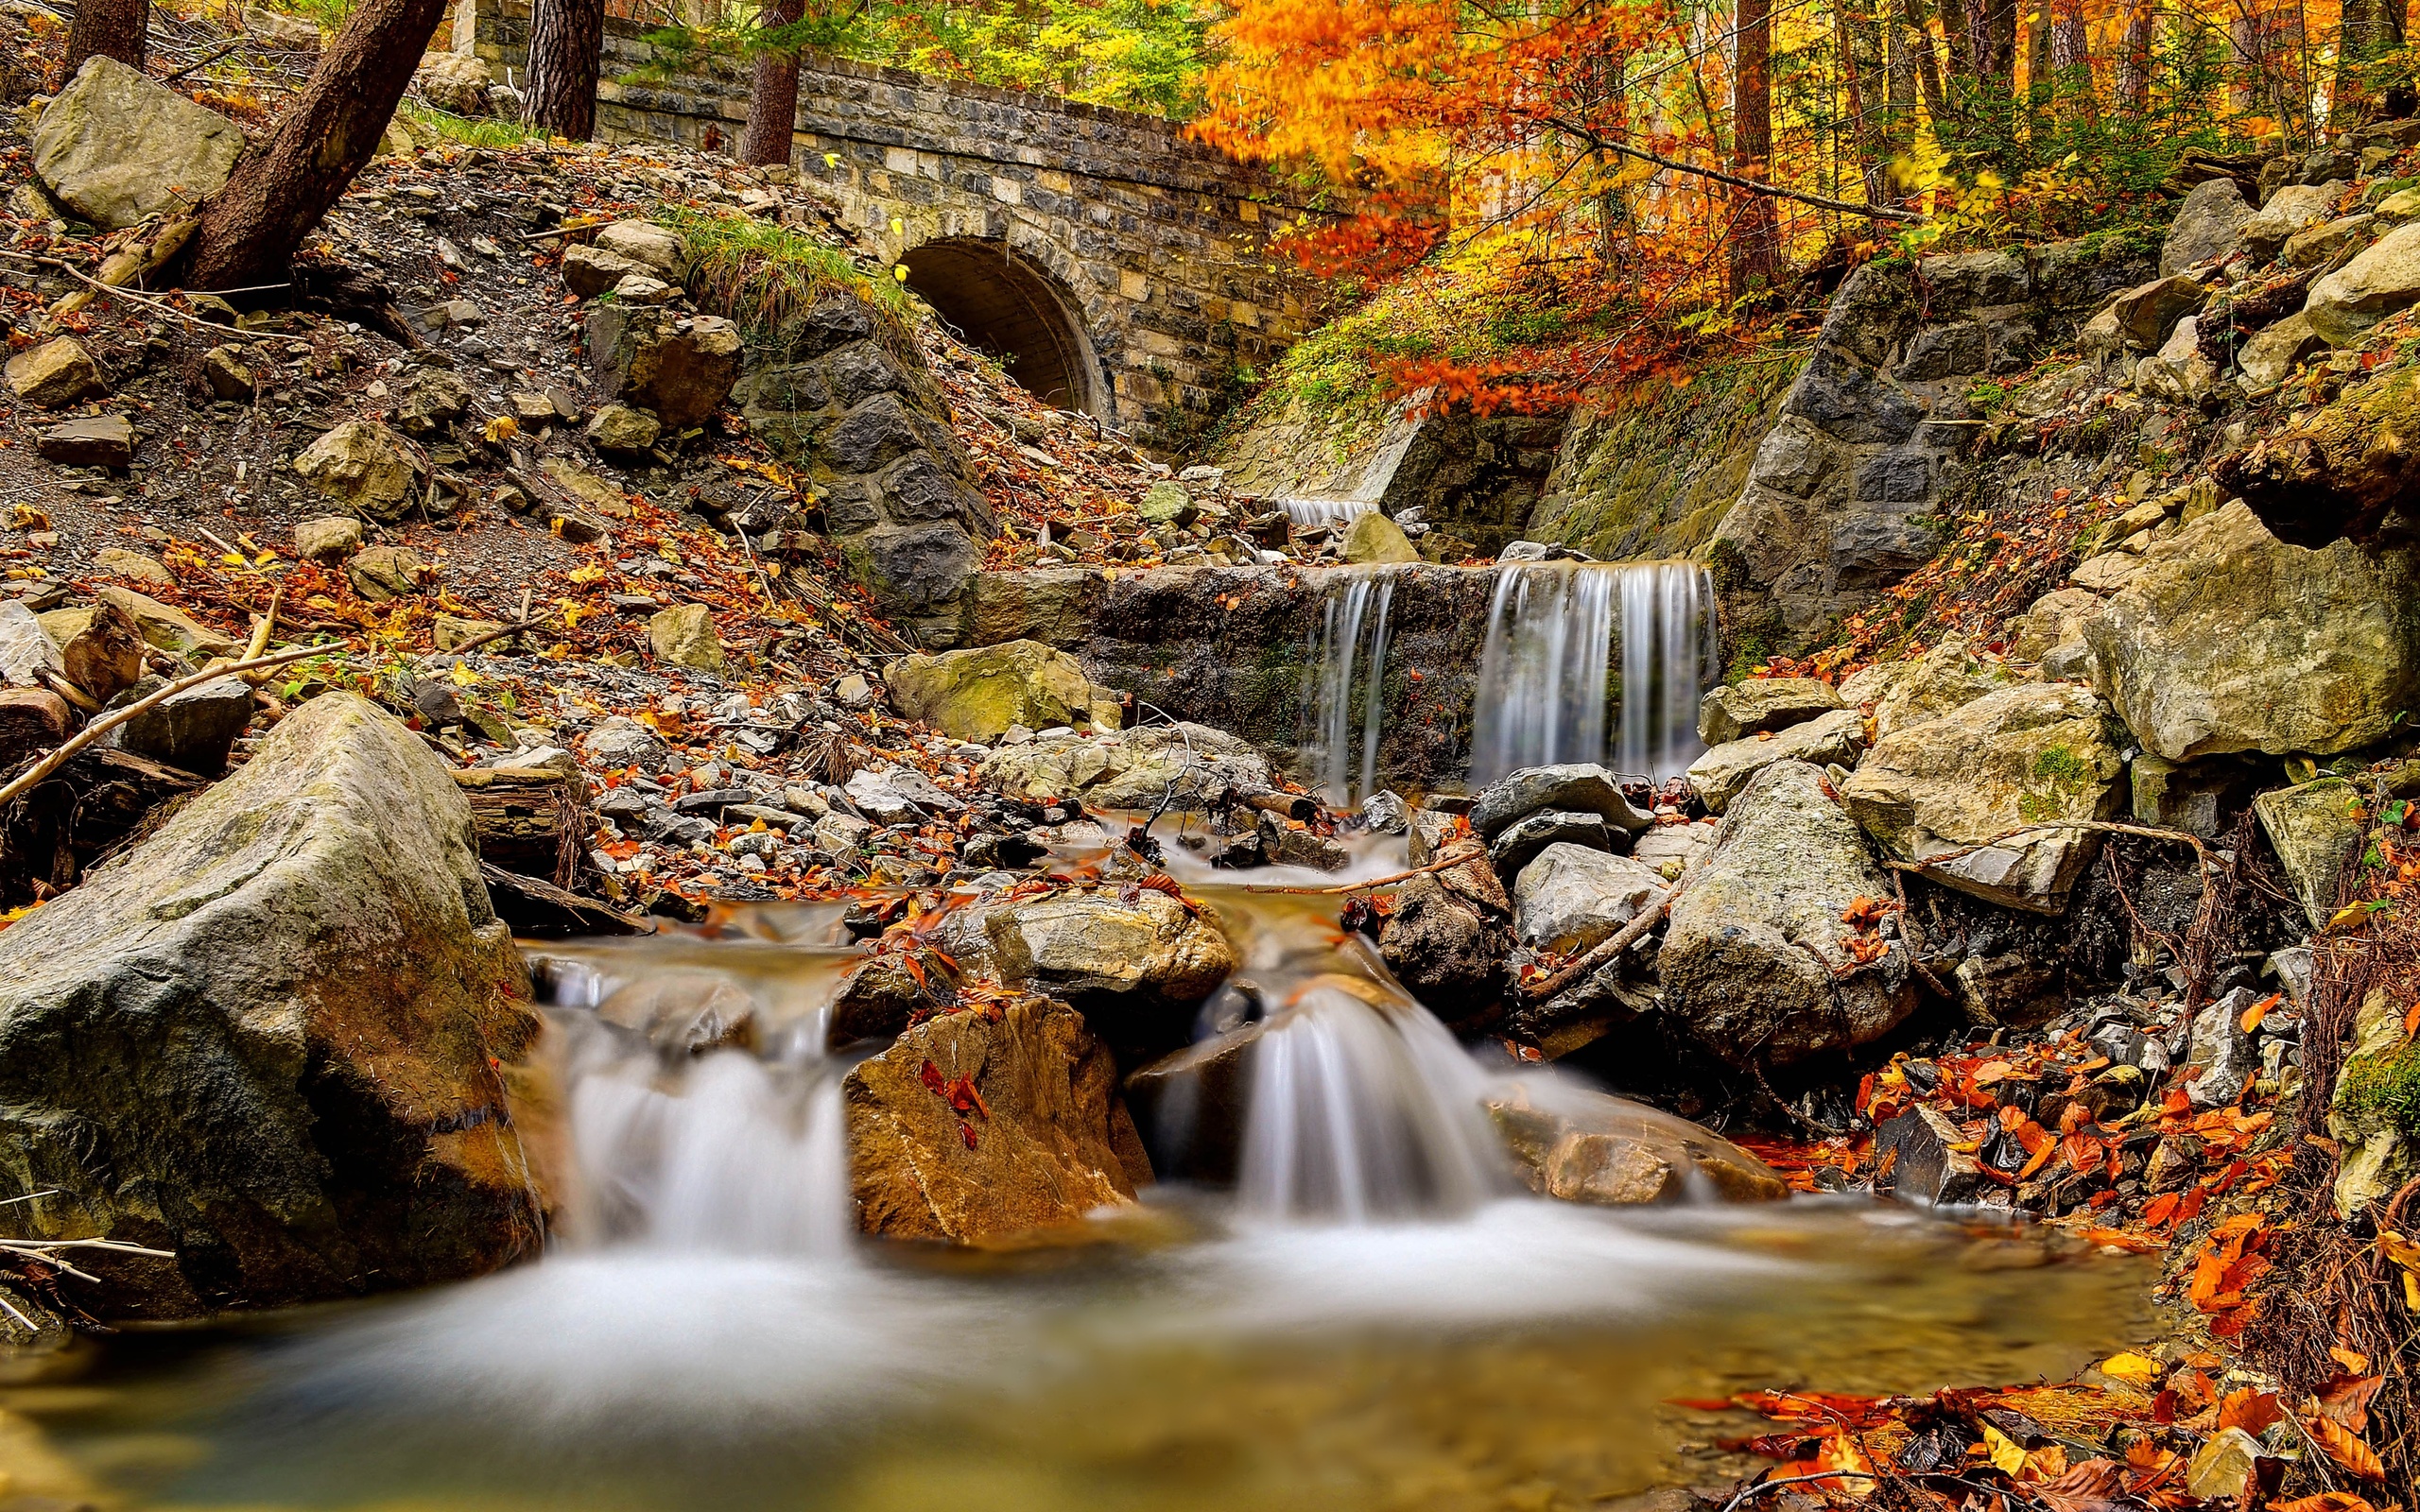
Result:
{"points": [[772, 101], [1755, 233], [566, 46], [252, 228], [2071, 61], [112, 28], [1861, 44], [2135, 60], [1915, 36]]}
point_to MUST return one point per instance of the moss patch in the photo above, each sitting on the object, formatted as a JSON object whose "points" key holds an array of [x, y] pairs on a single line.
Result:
{"points": [[2383, 1092]]}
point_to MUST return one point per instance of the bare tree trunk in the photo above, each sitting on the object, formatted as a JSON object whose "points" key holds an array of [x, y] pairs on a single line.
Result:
{"points": [[1861, 44], [252, 228], [2071, 61], [112, 28], [1755, 231], [772, 100], [2135, 60], [1915, 35], [566, 43]]}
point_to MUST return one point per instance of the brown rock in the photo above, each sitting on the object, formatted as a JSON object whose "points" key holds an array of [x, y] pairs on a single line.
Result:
{"points": [[98, 440], [1582, 1147], [170, 629], [100, 647], [381, 572], [55, 374], [1048, 1142], [32, 719]]}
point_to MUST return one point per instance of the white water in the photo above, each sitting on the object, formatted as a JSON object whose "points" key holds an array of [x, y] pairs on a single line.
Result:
{"points": [[1544, 670], [1311, 514], [1345, 716]]}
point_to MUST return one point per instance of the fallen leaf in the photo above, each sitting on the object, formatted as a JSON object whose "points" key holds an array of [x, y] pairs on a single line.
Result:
{"points": [[2346, 1448]]}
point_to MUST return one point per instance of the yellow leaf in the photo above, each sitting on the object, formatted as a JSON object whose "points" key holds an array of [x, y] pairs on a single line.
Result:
{"points": [[265, 558], [2005, 1455], [503, 428], [2136, 1369], [590, 573], [463, 675], [899, 271], [235, 558]]}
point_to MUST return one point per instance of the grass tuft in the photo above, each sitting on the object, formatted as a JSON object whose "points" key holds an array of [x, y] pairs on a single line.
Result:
{"points": [[483, 131], [763, 275]]}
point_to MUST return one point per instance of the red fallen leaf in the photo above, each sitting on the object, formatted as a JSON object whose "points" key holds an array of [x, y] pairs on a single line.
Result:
{"points": [[2325, 1501], [966, 1132], [964, 1098], [2346, 1399], [931, 1076], [2252, 1411], [2346, 1449], [2084, 1487]]}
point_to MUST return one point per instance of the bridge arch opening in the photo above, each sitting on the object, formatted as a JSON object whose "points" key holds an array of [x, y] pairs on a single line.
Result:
{"points": [[1004, 305]]}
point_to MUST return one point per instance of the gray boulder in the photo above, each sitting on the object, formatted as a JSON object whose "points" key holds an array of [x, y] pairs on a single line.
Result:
{"points": [[1574, 786], [2293, 209], [1515, 847], [2208, 227], [1194, 766], [1572, 895], [2225, 639], [1759, 704], [1583, 1147], [1134, 967], [1717, 776], [1754, 963], [194, 729], [1443, 949], [115, 148], [2386, 278], [2313, 830], [285, 1039]]}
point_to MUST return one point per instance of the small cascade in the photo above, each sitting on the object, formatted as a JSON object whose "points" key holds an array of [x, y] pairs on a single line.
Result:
{"points": [[1545, 671], [1311, 514], [1361, 1114], [1347, 703], [735, 1151]]}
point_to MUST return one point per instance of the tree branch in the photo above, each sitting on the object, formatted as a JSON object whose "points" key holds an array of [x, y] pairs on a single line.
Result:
{"points": [[1819, 201]]}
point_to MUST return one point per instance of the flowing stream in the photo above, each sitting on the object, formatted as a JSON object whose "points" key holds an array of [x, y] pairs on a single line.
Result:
{"points": [[1376, 1315], [1346, 704]]}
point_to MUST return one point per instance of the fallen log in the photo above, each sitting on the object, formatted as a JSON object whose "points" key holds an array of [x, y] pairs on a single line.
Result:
{"points": [[531, 820]]}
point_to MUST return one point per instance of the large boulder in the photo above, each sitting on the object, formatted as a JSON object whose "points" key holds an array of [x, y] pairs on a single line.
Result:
{"points": [[2385, 278], [1759, 704], [2018, 757], [1581, 787], [1571, 897], [1948, 677], [645, 243], [1756, 960], [365, 467], [2270, 356], [2208, 227], [1583, 1147], [1373, 538], [679, 367], [458, 82], [2227, 639], [1135, 961], [977, 695], [1444, 949], [285, 1039], [115, 148], [1192, 766], [2293, 209], [170, 629], [2316, 829], [1831, 739], [978, 1126], [2146, 313]]}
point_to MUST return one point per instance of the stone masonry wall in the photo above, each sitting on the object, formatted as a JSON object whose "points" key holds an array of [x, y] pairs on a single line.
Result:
{"points": [[1156, 242]]}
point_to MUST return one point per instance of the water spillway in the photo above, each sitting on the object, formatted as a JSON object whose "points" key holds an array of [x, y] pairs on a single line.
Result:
{"points": [[1346, 703]]}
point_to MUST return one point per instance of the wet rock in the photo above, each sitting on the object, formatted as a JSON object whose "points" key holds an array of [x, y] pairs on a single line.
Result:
{"points": [[57, 373], [1572, 895], [2385, 278], [1373, 538], [1754, 962], [1512, 850], [621, 431], [618, 741], [328, 539], [878, 997], [1193, 766], [170, 629], [1760, 704], [684, 1013], [284, 1038], [100, 649], [978, 694], [2208, 227], [1578, 787], [117, 148], [681, 367], [589, 272], [1718, 776], [1926, 1165], [1444, 950], [1385, 812], [1583, 1147], [1190, 1105], [684, 636], [115, 561], [1292, 843], [1048, 1142], [2199, 660], [1135, 961], [32, 719], [436, 399], [383, 573], [2022, 756], [191, 730], [2316, 835], [98, 440], [365, 467]]}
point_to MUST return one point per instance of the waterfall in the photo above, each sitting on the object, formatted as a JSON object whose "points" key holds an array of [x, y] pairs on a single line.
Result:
{"points": [[1362, 1113], [1311, 514], [735, 1151], [1341, 744], [1543, 668]]}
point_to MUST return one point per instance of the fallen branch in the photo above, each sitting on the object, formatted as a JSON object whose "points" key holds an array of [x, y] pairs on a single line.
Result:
{"points": [[227, 333], [481, 640], [1611, 948], [109, 721]]}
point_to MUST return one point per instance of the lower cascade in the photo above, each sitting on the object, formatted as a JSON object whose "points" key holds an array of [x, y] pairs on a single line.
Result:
{"points": [[1545, 669]]}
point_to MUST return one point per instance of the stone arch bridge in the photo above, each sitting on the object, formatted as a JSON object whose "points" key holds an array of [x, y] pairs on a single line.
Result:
{"points": [[1114, 265]]}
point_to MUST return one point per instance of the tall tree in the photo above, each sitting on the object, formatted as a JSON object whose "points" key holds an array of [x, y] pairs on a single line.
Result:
{"points": [[251, 229], [1755, 230], [111, 28], [2369, 32], [2135, 59], [2071, 61], [772, 100], [566, 45]]}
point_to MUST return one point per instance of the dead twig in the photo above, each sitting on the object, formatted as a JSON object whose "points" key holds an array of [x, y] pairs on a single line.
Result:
{"points": [[1611, 948]]}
